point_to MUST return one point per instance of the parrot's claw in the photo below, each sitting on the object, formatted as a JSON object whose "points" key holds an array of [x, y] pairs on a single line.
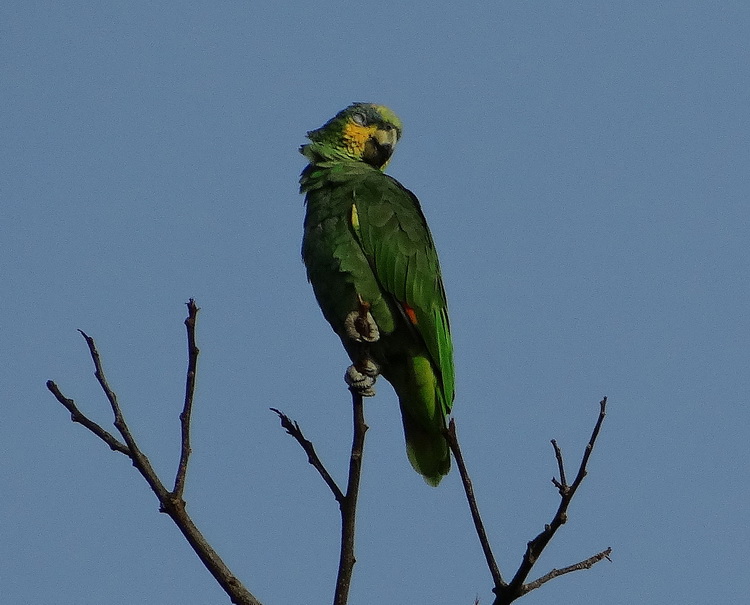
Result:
{"points": [[361, 327], [362, 378]]}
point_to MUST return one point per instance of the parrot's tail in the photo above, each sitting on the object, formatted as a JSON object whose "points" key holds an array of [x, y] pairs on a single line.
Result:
{"points": [[427, 450], [423, 413]]}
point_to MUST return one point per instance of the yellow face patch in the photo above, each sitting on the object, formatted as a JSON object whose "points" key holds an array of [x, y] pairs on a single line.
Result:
{"points": [[355, 137]]}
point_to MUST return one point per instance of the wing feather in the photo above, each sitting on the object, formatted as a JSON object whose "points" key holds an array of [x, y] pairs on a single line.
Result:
{"points": [[396, 240]]}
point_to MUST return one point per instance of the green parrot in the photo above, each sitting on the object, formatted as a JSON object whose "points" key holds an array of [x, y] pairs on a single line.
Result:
{"points": [[373, 267]]}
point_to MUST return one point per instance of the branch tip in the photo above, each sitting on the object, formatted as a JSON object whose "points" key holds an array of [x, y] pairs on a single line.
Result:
{"points": [[292, 428]]}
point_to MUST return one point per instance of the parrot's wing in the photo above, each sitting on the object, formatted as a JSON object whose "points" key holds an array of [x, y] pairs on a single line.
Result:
{"points": [[395, 238]]}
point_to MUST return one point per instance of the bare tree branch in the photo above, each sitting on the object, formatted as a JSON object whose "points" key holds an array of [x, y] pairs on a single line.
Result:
{"points": [[77, 416], [170, 503], [140, 461], [537, 545], [452, 439], [185, 415], [587, 564], [293, 429], [173, 504], [506, 593], [560, 467], [349, 506], [348, 501]]}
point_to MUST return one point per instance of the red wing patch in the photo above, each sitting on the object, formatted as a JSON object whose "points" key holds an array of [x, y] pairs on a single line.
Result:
{"points": [[410, 313]]}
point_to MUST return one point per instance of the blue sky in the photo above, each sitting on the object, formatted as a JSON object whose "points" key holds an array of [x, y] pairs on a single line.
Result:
{"points": [[584, 169]]}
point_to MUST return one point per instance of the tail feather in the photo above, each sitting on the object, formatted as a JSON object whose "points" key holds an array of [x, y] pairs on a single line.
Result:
{"points": [[423, 413], [428, 452]]}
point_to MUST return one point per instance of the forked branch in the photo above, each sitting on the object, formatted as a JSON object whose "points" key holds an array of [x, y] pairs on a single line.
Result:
{"points": [[170, 502], [347, 501], [507, 592]]}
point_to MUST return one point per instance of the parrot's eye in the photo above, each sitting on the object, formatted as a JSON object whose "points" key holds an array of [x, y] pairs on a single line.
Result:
{"points": [[358, 118]]}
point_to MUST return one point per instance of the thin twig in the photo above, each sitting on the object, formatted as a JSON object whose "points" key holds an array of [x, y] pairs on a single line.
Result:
{"points": [[293, 429], [587, 564], [185, 415], [452, 439], [140, 461], [560, 485], [170, 503], [590, 447], [77, 416]]}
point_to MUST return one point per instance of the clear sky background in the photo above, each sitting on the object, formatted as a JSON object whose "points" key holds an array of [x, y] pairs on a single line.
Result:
{"points": [[584, 167]]}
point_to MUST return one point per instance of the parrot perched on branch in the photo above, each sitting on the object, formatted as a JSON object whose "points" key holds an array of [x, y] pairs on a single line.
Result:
{"points": [[373, 267]]}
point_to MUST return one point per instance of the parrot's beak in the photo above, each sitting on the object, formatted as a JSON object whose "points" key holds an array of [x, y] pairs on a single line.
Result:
{"points": [[386, 138], [379, 147]]}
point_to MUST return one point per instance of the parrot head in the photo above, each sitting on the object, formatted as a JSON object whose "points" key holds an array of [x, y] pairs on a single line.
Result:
{"points": [[362, 132]]}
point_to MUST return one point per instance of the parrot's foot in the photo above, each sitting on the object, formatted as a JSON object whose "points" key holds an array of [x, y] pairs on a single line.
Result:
{"points": [[360, 325], [361, 377]]}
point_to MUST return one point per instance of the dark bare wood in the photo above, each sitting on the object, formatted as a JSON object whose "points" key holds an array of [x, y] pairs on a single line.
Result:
{"points": [[170, 502]]}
